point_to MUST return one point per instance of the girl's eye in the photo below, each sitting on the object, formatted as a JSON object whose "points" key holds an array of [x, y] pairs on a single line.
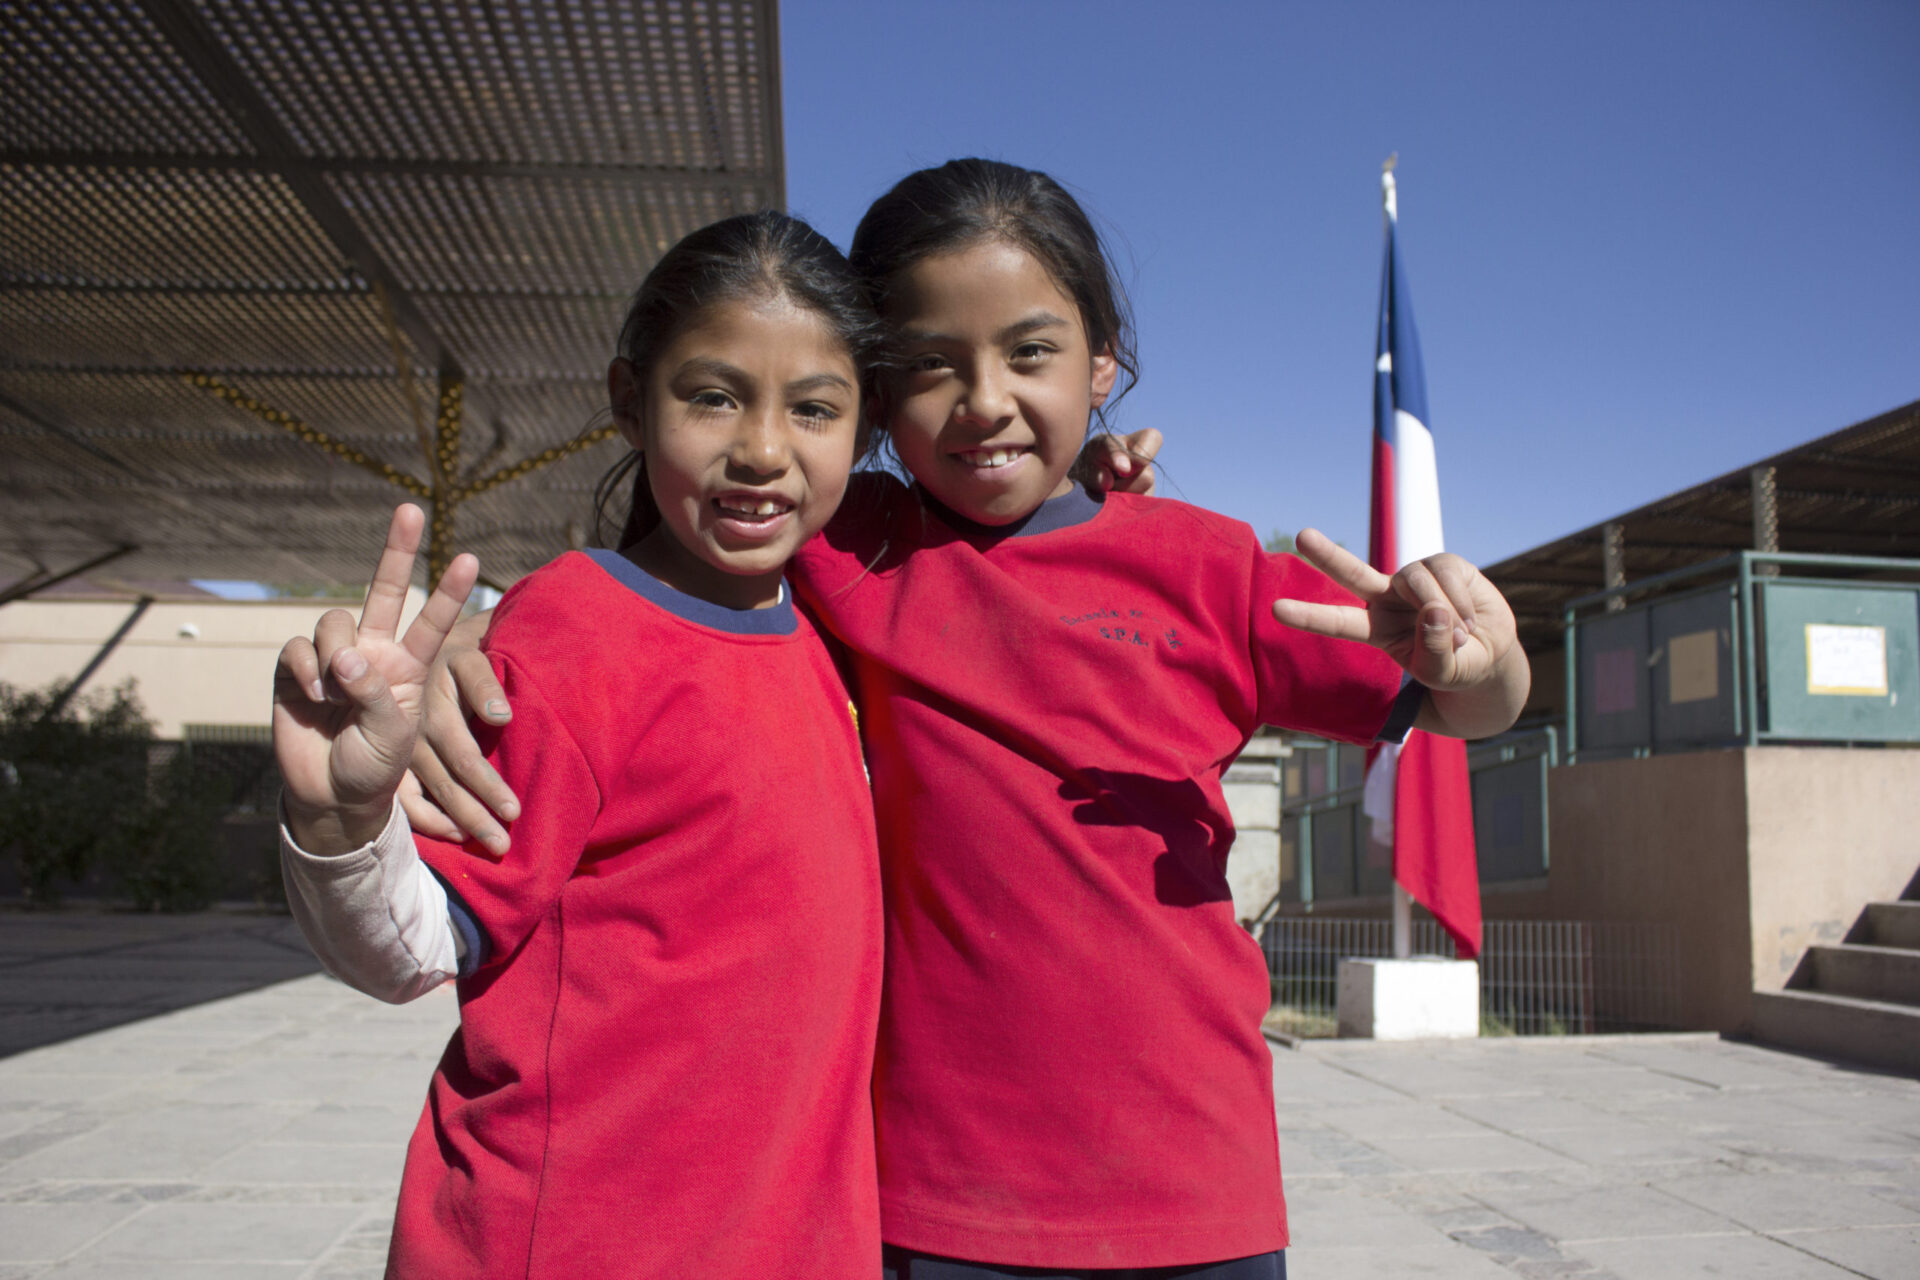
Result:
{"points": [[1030, 351], [711, 399], [928, 363], [816, 412]]}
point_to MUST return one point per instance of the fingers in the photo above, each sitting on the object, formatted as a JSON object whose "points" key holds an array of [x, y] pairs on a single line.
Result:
{"points": [[477, 688], [442, 610], [460, 814], [367, 762], [387, 593], [1442, 579], [1342, 622], [334, 632], [1340, 564], [298, 668], [1440, 620], [423, 815], [1125, 463], [1143, 444]]}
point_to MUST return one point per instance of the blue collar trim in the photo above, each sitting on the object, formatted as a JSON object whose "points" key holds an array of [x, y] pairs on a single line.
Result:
{"points": [[1075, 506], [780, 620]]}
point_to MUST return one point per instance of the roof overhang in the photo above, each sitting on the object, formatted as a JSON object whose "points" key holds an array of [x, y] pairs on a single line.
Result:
{"points": [[264, 263]]}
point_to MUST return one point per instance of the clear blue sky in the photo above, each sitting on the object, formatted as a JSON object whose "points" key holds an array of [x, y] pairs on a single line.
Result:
{"points": [[1648, 242]]}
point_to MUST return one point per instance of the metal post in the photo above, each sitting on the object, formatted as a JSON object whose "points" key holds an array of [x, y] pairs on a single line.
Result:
{"points": [[1402, 922], [1766, 515], [1571, 639], [1750, 657], [99, 659], [1613, 561]]}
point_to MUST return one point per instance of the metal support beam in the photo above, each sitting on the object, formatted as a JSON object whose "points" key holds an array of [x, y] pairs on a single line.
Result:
{"points": [[186, 30], [1764, 486], [735, 184], [1613, 559], [99, 659], [46, 578]]}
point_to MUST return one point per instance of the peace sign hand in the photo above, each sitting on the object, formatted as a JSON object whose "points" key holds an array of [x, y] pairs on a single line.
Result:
{"points": [[346, 704], [1439, 618]]}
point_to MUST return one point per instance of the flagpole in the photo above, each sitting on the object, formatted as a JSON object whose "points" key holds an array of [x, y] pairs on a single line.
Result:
{"points": [[1402, 900]]}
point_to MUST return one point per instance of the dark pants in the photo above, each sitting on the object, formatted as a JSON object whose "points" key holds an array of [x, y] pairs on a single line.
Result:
{"points": [[905, 1264]]}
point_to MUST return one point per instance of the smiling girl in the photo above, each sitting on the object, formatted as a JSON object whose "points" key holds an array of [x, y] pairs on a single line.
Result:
{"points": [[668, 997]]}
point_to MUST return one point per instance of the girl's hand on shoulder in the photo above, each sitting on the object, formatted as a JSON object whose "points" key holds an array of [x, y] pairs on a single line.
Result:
{"points": [[346, 703], [1439, 618], [456, 793], [1121, 464]]}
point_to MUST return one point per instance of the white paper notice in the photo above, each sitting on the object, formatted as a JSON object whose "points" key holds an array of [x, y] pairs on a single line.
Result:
{"points": [[1846, 660]]}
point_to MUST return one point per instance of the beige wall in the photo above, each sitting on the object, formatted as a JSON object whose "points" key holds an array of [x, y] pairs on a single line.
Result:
{"points": [[1660, 840], [1832, 830], [222, 676], [1753, 855]]}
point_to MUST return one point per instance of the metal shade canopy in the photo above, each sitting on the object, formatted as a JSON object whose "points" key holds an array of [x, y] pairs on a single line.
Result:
{"points": [[1855, 492], [269, 266]]}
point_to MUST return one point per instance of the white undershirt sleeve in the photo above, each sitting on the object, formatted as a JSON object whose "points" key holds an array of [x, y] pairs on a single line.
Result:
{"points": [[375, 916]]}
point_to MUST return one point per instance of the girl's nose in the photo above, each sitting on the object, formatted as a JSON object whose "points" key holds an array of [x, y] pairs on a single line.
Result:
{"points": [[760, 446], [988, 398]]}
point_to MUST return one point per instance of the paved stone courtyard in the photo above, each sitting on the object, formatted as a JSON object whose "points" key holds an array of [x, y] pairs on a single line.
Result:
{"points": [[260, 1134]]}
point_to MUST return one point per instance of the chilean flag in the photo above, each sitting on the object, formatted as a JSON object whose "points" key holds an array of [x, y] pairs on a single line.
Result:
{"points": [[1416, 793]]}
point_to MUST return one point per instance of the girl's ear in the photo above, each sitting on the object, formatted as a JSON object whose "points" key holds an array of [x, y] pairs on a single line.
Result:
{"points": [[623, 394], [1106, 371]]}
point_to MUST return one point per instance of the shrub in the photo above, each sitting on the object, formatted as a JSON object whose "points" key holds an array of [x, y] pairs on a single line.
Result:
{"points": [[78, 796], [72, 775]]}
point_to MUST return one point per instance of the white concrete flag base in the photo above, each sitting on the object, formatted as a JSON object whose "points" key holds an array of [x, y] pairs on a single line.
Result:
{"points": [[1422, 998]]}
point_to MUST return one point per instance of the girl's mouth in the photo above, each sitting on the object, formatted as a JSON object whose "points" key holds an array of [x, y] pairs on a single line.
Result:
{"points": [[753, 514], [989, 459]]}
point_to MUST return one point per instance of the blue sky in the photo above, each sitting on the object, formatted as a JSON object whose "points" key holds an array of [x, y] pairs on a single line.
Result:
{"points": [[1648, 243]]}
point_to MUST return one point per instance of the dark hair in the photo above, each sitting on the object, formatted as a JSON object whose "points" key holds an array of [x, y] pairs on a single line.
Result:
{"points": [[751, 255], [965, 202]]}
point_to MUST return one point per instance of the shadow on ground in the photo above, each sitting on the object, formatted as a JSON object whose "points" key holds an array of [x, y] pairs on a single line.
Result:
{"points": [[67, 972]]}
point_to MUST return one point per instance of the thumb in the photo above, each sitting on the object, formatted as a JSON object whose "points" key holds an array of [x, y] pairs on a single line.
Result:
{"points": [[1440, 636]]}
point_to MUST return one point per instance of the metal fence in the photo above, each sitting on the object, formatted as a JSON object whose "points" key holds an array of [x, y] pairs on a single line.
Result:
{"points": [[1537, 977]]}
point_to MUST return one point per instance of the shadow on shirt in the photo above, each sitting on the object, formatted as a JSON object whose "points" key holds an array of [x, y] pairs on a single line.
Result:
{"points": [[1188, 872]]}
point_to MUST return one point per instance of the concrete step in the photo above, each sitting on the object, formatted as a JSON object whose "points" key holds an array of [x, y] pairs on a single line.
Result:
{"points": [[1890, 974], [1893, 924], [1868, 1031]]}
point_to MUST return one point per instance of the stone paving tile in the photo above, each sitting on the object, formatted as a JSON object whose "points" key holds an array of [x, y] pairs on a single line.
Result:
{"points": [[1605, 1213], [1445, 1260], [1468, 1151], [1303, 1080], [1881, 1253], [175, 1142], [1688, 1257], [48, 1233], [1829, 1149], [1401, 1119], [207, 1233], [1345, 1217], [1780, 1202], [334, 1122], [87, 1269], [1540, 1114], [1626, 1143], [1309, 1152], [337, 1164]]}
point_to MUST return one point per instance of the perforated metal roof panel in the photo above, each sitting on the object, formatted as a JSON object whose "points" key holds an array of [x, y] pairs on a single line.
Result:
{"points": [[327, 209]]}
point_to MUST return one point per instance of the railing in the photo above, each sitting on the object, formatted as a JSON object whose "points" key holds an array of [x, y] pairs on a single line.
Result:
{"points": [[1762, 649], [1537, 977], [1326, 853]]}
